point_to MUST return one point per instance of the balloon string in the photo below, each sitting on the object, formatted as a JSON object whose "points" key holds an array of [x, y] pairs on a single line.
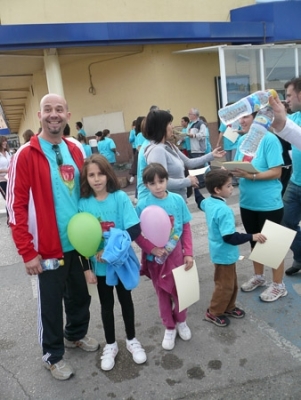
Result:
{"points": [[80, 260]]}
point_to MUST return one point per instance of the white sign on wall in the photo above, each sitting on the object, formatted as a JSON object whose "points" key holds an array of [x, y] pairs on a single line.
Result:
{"points": [[112, 121]]}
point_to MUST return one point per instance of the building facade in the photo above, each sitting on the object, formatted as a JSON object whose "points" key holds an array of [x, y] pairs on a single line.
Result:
{"points": [[113, 61]]}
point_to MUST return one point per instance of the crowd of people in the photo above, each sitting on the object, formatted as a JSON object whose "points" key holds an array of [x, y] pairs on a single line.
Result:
{"points": [[69, 181]]}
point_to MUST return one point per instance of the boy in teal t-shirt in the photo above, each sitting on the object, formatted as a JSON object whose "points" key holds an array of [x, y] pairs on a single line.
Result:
{"points": [[223, 241]]}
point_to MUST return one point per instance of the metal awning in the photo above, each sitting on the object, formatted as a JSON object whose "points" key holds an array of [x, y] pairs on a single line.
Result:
{"points": [[215, 49], [221, 49]]}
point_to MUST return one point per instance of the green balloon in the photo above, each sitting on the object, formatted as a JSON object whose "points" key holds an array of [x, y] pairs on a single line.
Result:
{"points": [[85, 233]]}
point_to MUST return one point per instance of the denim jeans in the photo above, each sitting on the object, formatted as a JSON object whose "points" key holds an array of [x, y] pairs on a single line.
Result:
{"points": [[292, 216], [230, 154]]}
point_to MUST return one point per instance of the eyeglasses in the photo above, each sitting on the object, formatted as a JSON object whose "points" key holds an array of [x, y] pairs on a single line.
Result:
{"points": [[58, 154]]}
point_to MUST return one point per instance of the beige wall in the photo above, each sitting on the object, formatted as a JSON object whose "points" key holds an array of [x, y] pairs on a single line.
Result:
{"points": [[63, 11], [132, 84], [39, 89]]}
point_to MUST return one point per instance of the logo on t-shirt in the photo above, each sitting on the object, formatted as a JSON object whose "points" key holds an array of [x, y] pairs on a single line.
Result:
{"points": [[67, 174]]}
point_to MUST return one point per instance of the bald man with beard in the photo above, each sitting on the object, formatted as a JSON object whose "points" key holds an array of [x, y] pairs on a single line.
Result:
{"points": [[43, 196]]}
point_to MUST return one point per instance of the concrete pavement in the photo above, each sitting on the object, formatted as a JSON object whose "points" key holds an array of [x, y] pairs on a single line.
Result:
{"points": [[258, 357]]}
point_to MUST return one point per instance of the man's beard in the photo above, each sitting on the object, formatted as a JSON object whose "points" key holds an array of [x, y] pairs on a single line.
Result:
{"points": [[55, 131], [58, 130]]}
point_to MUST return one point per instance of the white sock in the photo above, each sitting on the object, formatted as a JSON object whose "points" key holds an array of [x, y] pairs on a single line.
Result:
{"points": [[260, 277], [279, 285]]}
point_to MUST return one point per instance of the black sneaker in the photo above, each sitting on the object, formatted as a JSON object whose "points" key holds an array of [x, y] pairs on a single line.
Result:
{"points": [[235, 313], [218, 321], [293, 269]]}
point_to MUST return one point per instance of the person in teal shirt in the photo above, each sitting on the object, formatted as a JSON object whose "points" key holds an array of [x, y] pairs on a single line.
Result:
{"points": [[101, 196], [80, 129], [185, 144], [106, 147], [261, 200], [83, 141], [208, 148], [223, 242], [139, 140], [155, 178], [132, 137], [292, 195], [229, 146]]}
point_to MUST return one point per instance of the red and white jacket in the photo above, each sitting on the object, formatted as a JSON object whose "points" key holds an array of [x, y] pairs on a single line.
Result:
{"points": [[30, 201]]}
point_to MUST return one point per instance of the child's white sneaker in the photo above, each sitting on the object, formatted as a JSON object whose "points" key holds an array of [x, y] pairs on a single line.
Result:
{"points": [[109, 353], [273, 292], [184, 331], [169, 339], [138, 352], [253, 283]]}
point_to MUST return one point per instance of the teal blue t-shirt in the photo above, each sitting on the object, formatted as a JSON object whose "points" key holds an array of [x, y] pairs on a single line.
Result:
{"points": [[227, 144], [296, 117], [115, 211], [186, 141], [142, 189], [65, 188], [132, 137], [262, 195], [139, 139], [82, 132], [87, 149], [105, 148], [208, 144], [220, 222], [175, 207]]}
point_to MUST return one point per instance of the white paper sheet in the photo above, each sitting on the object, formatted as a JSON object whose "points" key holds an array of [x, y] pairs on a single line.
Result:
{"points": [[231, 134], [92, 289], [200, 171], [246, 166], [187, 285], [273, 251]]}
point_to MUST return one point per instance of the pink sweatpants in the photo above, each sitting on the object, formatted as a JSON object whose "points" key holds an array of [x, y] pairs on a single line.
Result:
{"points": [[169, 308]]}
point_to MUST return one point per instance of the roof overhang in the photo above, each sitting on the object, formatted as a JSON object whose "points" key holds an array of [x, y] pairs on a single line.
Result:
{"points": [[19, 37], [215, 49]]}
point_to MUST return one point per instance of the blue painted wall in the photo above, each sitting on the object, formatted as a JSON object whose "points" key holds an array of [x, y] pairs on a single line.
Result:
{"points": [[285, 16]]}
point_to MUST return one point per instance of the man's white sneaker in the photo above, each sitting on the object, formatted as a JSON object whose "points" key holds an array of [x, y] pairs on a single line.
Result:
{"points": [[168, 342], [109, 353], [137, 351], [273, 293], [184, 331], [86, 343], [253, 283], [61, 370]]}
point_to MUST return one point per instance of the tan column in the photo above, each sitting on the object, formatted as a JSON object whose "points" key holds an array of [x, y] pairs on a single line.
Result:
{"points": [[53, 72]]}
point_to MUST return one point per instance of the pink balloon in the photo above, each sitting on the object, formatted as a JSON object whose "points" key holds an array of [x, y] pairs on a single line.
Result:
{"points": [[155, 225]]}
